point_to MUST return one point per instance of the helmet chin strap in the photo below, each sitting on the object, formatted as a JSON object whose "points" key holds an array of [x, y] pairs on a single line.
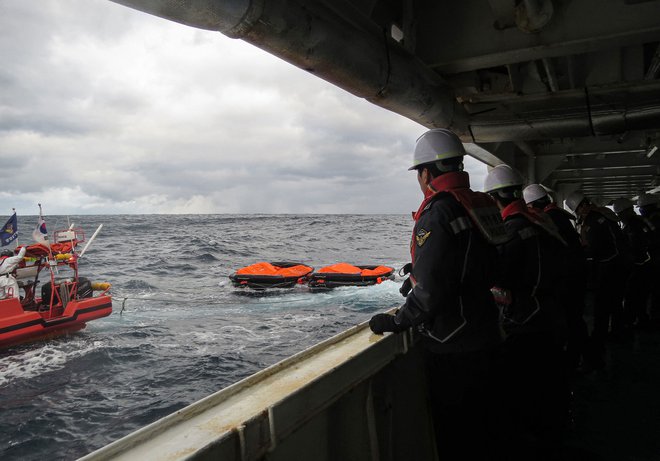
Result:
{"points": [[448, 168], [510, 195]]}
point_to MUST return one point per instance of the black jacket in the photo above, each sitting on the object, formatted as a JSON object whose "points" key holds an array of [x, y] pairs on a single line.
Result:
{"points": [[602, 239], [530, 271], [574, 265], [639, 238], [453, 269], [652, 221]]}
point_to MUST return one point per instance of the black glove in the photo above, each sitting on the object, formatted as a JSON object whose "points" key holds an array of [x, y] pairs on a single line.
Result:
{"points": [[406, 269], [381, 323], [405, 287]]}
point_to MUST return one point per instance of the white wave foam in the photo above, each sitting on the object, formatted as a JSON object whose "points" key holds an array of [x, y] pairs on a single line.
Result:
{"points": [[43, 359]]}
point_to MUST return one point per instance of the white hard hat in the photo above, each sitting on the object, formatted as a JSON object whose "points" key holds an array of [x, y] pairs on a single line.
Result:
{"points": [[436, 144], [500, 177], [621, 204], [646, 199], [574, 200], [534, 192]]}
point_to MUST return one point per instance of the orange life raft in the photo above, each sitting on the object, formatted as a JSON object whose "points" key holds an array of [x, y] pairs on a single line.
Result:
{"points": [[264, 275], [344, 274]]}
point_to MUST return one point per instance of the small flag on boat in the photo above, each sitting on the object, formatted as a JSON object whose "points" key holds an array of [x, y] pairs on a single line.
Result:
{"points": [[9, 231], [40, 234]]}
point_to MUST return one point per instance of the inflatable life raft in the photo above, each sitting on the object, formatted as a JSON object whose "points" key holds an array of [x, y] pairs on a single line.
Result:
{"points": [[344, 274], [264, 275]]}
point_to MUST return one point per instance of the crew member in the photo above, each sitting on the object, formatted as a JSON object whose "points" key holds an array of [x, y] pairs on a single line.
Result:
{"points": [[533, 363], [8, 263], [648, 208], [638, 288], [572, 288], [606, 251], [454, 263]]}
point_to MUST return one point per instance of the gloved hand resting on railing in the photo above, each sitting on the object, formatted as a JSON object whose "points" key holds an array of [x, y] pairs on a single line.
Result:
{"points": [[381, 323]]}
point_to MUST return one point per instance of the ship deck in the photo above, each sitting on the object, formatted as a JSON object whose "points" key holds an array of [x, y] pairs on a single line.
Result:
{"points": [[344, 397], [616, 410]]}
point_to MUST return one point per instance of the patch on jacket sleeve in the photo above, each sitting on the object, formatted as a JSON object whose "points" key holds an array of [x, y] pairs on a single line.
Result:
{"points": [[421, 236]]}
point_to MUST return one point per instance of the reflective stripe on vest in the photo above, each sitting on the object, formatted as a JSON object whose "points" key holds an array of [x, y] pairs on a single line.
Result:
{"points": [[461, 224], [527, 233]]}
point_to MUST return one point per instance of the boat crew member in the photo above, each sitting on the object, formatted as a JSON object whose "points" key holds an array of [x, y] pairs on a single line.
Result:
{"points": [[8, 263], [534, 323], [572, 287], [648, 208], [638, 287], [454, 263], [607, 254]]}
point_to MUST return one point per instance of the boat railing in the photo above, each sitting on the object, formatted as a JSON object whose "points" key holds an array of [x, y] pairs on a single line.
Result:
{"points": [[343, 398]]}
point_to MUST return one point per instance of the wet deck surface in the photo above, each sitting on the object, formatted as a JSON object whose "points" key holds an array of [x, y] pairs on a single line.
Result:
{"points": [[616, 411]]}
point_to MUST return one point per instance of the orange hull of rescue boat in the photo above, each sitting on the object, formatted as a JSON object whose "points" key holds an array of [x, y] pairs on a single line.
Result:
{"points": [[18, 325]]}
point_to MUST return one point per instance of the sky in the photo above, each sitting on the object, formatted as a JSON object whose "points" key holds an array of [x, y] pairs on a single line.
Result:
{"points": [[108, 110]]}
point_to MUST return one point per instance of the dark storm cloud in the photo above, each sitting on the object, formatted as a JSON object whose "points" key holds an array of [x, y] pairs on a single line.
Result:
{"points": [[104, 109]]}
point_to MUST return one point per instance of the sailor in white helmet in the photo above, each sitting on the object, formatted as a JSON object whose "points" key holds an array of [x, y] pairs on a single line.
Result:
{"points": [[9, 261], [638, 285], [533, 321], [572, 288], [648, 206], [454, 262], [608, 258]]}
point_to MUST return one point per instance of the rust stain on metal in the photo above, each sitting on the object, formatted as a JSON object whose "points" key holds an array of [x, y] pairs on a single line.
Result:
{"points": [[373, 338], [180, 454], [217, 427]]}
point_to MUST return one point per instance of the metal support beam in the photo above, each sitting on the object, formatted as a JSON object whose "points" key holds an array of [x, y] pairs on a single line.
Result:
{"points": [[611, 161], [591, 145], [345, 49], [551, 75], [545, 165], [654, 68], [602, 173], [598, 111], [483, 46]]}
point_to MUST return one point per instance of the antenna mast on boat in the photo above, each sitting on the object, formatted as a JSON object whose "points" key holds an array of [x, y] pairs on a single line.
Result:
{"points": [[98, 229]]}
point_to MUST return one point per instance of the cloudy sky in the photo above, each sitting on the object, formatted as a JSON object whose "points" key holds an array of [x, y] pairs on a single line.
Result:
{"points": [[104, 109]]}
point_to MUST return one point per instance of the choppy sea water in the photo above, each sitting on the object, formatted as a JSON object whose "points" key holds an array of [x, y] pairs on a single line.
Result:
{"points": [[185, 332]]}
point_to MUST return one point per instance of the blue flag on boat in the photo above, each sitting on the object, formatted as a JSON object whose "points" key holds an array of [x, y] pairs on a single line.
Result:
{"points": [[9, 231]]}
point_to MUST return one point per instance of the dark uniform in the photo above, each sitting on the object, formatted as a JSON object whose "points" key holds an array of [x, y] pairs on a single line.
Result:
{"points": [[651, 217], [535, 332], [572, 287], [608, 256], [453, 268], [638, 287]]}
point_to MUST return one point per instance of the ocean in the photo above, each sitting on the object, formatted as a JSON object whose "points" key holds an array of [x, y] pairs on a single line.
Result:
{"points": [[179, 330]]}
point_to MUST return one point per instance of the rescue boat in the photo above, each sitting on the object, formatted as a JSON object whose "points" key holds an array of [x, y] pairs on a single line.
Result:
{"points": [[264, 275], [67, 301], [344, 274]]}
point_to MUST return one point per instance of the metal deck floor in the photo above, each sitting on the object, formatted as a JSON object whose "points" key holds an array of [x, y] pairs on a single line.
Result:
{"points": [[617, 410]]}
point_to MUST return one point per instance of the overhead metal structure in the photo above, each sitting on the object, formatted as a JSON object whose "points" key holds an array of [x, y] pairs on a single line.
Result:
{"points": [[567, 92]]}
